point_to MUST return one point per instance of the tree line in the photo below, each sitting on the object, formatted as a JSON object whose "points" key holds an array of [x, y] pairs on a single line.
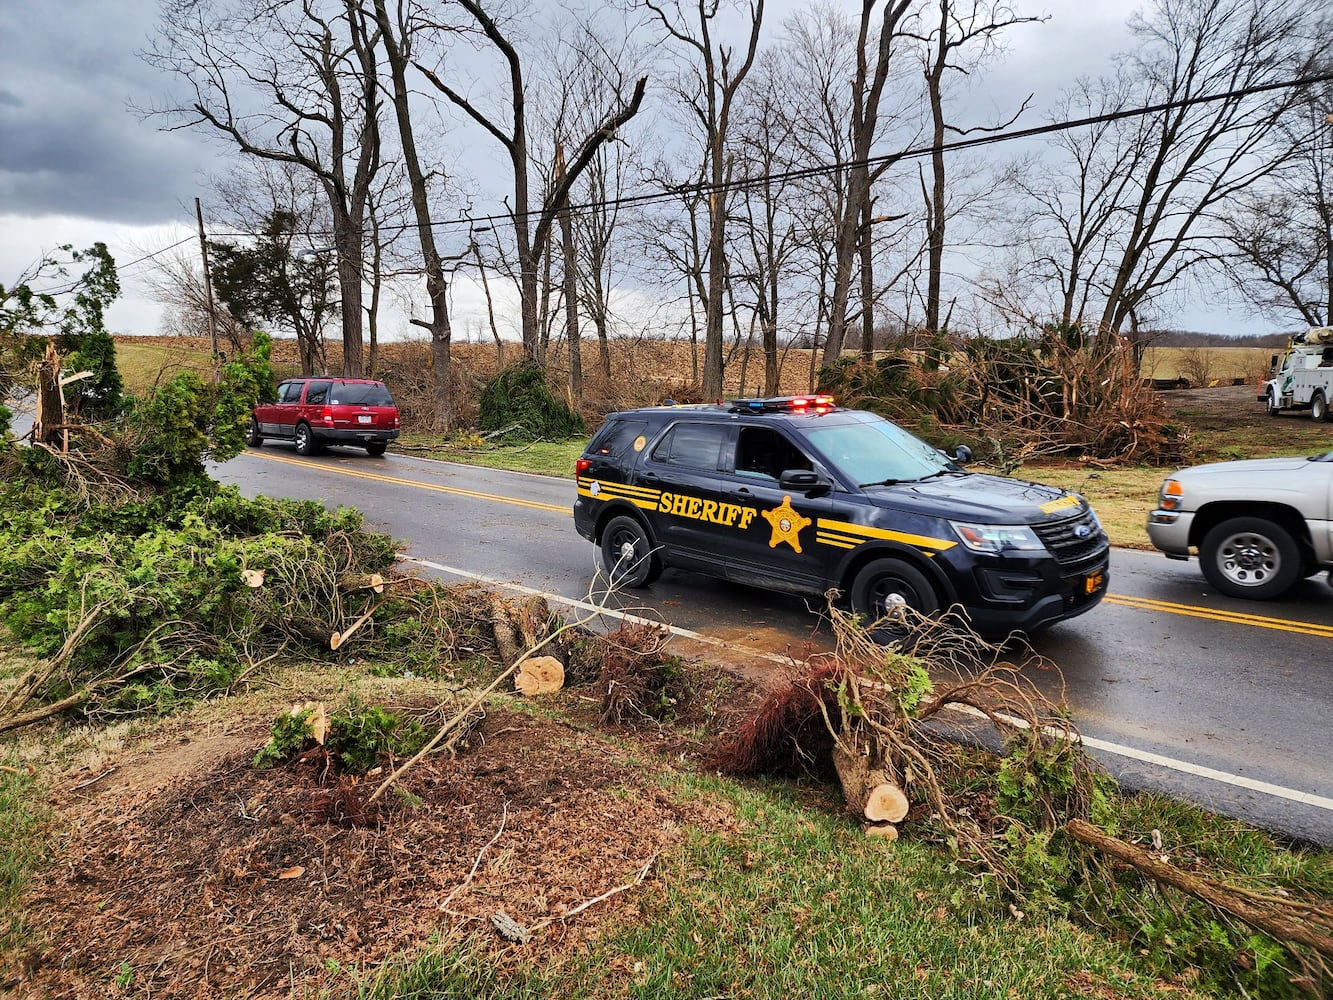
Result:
{"points": [[702, 171]]}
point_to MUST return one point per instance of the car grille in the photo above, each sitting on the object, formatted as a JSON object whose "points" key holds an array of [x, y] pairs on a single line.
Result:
{"points": [[1074, 554]]}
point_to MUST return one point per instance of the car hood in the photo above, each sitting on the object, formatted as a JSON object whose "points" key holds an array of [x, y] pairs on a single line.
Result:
{"points": [[980, 498], [1248, 467]]}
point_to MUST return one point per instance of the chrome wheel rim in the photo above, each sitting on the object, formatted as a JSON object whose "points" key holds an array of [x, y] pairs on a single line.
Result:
{"points": [[1248, 559]]}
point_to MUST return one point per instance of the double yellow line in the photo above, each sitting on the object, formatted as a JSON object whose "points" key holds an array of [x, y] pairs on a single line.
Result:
{"points": [[394, 480], [1138, 603], [1217, 615]]}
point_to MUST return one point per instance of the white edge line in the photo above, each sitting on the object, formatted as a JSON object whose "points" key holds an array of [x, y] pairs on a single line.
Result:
{"points": [[1144, 756]]}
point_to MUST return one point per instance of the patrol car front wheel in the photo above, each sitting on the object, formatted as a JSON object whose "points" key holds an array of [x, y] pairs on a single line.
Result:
{"points": [[628, 555], [885, 587]]}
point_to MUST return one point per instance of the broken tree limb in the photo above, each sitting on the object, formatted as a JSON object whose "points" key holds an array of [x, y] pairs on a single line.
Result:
{"points": [[1275, 925], [368, 581], [338, 638], [596, 899]]}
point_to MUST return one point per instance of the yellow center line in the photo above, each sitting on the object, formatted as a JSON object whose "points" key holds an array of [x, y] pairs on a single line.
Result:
{"points": [[1231, 617], [454, 490], [1122, 600]]}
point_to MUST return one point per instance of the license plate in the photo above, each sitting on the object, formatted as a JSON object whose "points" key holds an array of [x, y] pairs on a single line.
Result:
{"points": [[1094, 582], [364, 418]]}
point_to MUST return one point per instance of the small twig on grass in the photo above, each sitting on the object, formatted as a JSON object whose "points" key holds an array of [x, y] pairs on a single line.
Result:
{"points": [[596, 899], [93, 781], [504, 816]]}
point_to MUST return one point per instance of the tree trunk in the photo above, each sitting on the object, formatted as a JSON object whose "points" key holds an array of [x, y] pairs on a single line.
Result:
{"points": [[1276, 925], [872, 793]]}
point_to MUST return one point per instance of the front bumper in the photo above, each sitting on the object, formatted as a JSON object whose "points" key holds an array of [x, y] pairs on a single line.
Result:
{"points": [[1169, 530]]}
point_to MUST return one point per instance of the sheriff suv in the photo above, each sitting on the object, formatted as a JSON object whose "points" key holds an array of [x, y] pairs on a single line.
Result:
{"points": [[320, 410], [799, 495]]}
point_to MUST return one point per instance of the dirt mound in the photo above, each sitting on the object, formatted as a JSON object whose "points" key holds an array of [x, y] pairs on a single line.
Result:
{"points": [[217, 879]]}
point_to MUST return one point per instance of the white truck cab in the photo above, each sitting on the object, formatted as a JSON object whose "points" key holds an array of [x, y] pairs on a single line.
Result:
{"points": [[1301, 376]]}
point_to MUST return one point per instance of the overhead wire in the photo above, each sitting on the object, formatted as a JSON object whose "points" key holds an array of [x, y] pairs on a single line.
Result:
{"points": [[673, 192]]}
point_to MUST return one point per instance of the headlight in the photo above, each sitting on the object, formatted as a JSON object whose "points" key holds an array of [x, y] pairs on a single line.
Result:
{"points": [[1171, 496], [998, 537]]}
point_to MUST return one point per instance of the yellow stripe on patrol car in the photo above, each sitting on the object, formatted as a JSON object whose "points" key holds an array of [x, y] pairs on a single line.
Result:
{"points": [[595, 489], [1059, 503], [838, 541], [839, 531]]}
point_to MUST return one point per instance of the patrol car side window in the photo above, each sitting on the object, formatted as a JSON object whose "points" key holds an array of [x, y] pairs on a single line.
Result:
{"points": [[764, 453], [692, 446]]}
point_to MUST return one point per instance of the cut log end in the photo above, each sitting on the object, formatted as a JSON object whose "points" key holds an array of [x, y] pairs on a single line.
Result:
{"points": [[886, 803], [252, 577], [540, 675], [882, 831]]}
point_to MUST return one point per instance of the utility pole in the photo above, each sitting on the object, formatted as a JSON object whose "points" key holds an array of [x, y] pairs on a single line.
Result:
{"points": [[208, 290]]}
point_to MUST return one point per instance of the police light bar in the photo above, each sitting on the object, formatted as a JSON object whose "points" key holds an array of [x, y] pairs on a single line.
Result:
{"points": [[785, 404]]}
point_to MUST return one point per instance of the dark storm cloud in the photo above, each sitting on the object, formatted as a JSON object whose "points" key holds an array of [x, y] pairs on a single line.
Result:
{"points": [[69, 143]]}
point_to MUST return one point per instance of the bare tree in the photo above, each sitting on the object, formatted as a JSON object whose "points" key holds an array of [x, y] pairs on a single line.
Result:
{"points": [[1280, 234], [1197, 156], [1075, 197], [709, 88], [293, 83], [867, 91], [966, 34], [399, 36], [532, 239]]}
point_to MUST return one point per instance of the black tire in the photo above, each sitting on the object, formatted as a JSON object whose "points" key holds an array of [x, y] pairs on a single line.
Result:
{"points": [[1250, 557], [252, 436], [1270, 404], [628, 555], [1319, 407], [304, 439], [883, 584], [376, 448]]}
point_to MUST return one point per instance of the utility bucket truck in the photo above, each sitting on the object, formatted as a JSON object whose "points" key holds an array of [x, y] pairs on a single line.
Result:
{"points": [[1301, 376]]}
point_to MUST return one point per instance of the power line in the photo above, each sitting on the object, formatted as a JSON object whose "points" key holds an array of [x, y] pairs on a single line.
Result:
{"points": [[800, 173]]}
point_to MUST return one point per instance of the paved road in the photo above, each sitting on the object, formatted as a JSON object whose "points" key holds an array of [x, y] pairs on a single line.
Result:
{"points": [[1226, 703]]}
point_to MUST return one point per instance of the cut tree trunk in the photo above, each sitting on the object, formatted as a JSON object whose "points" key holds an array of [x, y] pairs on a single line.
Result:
{"points": [[540, 675], [872, 793]]}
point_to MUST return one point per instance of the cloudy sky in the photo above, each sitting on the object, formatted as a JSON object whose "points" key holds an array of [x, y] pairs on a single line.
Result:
{"points": [[77, 164]]}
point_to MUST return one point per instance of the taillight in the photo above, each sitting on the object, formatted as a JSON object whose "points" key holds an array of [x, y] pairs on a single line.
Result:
{"points": [[326, 415], [581, 466]]}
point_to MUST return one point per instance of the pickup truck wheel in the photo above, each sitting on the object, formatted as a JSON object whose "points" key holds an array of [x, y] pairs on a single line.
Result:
{"points": [[1319, 406], [1270, 404], [628, 555], [305, 440], [252, 436], [883, 588], [1250, 557]]}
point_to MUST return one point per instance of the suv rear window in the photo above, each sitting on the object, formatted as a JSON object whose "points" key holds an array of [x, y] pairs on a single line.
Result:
{"points": [[616, 437], [361, 394]]}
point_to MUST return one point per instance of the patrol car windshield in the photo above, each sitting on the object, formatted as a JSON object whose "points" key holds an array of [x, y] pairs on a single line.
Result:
{"points": [[879, 453]]}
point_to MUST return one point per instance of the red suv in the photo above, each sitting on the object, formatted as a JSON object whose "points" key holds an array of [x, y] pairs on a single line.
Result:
{"points": [[316, 411]]}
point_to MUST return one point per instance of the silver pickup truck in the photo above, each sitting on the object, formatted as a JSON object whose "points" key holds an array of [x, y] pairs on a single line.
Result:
{"points": [[1258, 526]]}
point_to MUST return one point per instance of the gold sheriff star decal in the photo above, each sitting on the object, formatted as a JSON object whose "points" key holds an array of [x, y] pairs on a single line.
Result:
{"points": [[787, 525]]}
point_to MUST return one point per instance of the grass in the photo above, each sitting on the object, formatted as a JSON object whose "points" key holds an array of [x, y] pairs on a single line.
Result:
{"points": [[23, 820]]}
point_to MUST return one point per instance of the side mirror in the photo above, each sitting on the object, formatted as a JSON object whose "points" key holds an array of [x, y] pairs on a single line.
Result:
{"points": [[812, 484], [962, 454]]}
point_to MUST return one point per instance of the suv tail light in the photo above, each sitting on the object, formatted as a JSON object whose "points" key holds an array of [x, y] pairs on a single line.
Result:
{"points": [[581, 466], [326, 415]]}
